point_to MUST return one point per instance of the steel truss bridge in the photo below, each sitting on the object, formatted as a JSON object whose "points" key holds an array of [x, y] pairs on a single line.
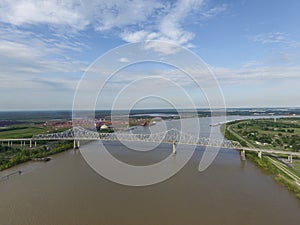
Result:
{"points": [[169, 136], [172, 136]]}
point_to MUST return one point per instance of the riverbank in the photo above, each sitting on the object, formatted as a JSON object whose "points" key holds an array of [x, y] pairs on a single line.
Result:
{"points": [[269, 164], [23, 155], [229, 191]]}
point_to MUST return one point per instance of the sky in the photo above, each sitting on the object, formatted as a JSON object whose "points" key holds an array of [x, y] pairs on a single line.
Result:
{"points": [[251, 46]]}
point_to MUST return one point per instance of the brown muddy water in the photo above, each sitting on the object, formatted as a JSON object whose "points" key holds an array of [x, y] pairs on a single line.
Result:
{"points": [[67, 191]]}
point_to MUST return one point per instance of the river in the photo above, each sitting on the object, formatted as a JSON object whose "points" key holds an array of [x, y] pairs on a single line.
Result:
{"points": [[67, 191]]}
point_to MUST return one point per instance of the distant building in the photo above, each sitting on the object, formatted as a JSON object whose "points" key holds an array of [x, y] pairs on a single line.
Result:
{"points": [[104, 127]]}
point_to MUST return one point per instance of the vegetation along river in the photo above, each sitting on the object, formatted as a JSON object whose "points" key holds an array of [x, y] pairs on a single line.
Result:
{"points": [[67, 191]]}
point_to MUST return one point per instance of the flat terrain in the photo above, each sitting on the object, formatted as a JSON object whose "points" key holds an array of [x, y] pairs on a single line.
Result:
{"points": [[281, 134], [22, 131]]}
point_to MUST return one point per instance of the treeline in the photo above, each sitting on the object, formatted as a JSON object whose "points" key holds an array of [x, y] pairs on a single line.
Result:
{"points": [[264, 123], [10, 156], [13, 128], [279, 134]]}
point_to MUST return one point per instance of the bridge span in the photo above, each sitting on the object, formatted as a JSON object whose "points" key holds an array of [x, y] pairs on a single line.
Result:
{"points": [[172, 136]]}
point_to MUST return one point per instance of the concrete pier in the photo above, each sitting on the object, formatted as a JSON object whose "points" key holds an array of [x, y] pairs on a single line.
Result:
{"points": [[243, 155], [259, 155], [76, 144], [174, 148]]}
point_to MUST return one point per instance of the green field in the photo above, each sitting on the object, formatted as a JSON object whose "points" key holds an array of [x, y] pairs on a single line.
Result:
{"points": [[25, 130], [283, 134]]}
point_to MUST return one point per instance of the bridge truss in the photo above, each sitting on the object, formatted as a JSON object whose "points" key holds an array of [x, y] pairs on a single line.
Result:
{"points": [[169, 136]]}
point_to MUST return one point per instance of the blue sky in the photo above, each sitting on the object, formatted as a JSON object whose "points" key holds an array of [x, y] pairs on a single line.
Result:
{"points": [[252, 46]]}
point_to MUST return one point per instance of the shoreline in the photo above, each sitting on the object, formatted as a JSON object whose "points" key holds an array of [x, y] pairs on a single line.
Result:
{"points": [[276, 169], [26, 156]]}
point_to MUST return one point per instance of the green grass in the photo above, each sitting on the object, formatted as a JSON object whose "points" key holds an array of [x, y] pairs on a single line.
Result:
{"points": [[25, 131], [296, 166], [284, 134], [21, 133]]}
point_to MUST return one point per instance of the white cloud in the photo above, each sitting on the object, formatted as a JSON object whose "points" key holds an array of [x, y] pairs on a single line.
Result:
{"points": [[257, 74], [286, 51], [214, 11], [169, 27], [267, 38], [133, 37], [12, 50], [135, 20], [26, 57], [124, 60], [118, 14], [162, 47], [39, 39], [252, 63], [78, 14], [225, 76], [21, 12]]}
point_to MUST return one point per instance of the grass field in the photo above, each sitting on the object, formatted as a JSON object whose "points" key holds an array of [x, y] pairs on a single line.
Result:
{"points": [[25, 130], [283, 134]]}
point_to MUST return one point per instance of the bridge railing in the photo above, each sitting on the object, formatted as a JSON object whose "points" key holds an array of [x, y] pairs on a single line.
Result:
{"points": [[169, 136]]}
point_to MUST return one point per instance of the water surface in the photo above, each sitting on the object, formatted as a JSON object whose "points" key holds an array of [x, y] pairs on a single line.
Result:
{"points": [[67, 191]]}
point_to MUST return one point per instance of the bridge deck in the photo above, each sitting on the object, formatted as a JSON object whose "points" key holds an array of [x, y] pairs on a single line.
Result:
{"points": [[169, 136]]}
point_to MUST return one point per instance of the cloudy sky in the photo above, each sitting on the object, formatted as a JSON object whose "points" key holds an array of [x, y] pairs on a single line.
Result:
{"points": [[251, 46]]}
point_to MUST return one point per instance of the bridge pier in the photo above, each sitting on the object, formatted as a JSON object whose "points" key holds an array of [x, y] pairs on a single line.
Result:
{"points": [[243, 155], [35, 144], [259, 155], [174, 148], [290, 158], [76, 144], [30, 143]]}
